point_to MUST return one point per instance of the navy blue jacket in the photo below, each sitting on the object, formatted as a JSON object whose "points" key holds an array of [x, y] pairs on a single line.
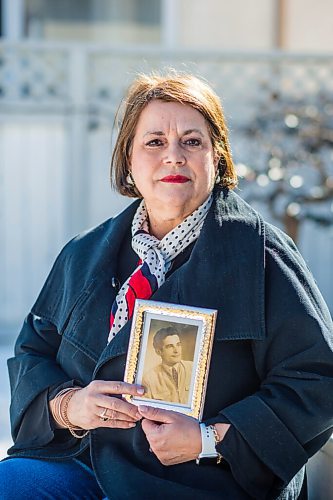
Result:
{"points": [[271, 372]]}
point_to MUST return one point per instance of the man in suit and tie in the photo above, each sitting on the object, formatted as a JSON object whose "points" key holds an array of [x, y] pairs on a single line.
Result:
{"points": [[171, 379]]}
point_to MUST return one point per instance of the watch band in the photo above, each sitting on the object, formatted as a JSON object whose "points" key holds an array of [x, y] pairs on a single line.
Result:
{"points": [[208, 440]]}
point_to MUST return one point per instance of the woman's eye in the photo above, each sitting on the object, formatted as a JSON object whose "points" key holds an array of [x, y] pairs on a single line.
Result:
{"points": [[192, 142], [154, 142]]}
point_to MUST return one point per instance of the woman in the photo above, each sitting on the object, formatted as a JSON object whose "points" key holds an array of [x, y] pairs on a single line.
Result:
{"points": [[189, 239]]}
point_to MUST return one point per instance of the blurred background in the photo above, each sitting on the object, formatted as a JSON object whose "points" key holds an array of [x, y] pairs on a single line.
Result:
{"points": [[64, 67]]}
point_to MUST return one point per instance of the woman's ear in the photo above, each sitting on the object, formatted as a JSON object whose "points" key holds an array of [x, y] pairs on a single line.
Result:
{"points": [[129, 179]]}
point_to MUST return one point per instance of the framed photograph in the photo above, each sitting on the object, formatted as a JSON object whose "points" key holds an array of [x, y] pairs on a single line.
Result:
{"points": [[169, 354]]}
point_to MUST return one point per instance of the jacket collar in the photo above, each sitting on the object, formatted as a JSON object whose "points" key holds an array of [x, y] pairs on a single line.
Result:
{"points": [[226, 269]]}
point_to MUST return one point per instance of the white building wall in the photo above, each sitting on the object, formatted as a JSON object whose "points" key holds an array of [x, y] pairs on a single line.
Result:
{"points": [[304, 25], [225, 25], [33, 207], [309, 25]]}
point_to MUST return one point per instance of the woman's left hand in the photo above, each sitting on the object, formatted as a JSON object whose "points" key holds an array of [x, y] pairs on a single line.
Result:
{"points": [[173, 437]]}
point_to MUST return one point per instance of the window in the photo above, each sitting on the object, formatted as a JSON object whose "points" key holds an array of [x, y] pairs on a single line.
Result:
{"points": [[131, 21]]}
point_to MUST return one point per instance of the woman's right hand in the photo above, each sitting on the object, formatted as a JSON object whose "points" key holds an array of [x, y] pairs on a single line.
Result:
{"points": [[87, 405]]}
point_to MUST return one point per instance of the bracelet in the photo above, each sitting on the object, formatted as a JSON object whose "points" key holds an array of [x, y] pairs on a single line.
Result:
{"points": [[61, 403], [71, 429], [216, 434], [56, 406]]}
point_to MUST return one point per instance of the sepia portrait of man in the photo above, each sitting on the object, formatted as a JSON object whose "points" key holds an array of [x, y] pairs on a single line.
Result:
{"points": [[170, 379]]}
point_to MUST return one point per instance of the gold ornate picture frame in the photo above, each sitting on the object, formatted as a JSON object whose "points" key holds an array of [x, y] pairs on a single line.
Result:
{"points": [[169, 354]]}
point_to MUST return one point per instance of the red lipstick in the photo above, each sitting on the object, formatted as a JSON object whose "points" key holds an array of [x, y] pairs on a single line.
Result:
{"points": [[176, 179]]}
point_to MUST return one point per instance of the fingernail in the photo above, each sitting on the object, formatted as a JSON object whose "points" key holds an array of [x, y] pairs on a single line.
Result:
{"points": [[138, 415], [140, 390], [131, 424]]}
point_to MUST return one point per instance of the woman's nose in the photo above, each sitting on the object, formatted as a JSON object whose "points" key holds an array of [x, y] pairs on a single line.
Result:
{"points": [[174, 155]]}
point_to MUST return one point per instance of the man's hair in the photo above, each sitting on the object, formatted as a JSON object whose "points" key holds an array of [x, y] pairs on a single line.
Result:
{"points": [[172, 87], [161, 334]]}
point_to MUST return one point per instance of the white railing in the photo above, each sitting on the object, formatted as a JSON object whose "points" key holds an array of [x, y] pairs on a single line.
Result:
{"points": [[57, 105]]}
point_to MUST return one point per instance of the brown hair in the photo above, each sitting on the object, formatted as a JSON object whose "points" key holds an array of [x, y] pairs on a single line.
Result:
{"points": [[173, 87], [162, 334]]}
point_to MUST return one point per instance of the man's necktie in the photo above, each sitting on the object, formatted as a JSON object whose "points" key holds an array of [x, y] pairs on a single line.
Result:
{"points": [[175, 377]]}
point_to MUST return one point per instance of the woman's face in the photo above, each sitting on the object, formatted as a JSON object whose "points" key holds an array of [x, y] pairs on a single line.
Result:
{"points": [[172, 158]]}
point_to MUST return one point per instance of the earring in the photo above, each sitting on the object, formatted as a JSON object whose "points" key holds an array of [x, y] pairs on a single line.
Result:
{"points": [[217, 177], [130, 180]]}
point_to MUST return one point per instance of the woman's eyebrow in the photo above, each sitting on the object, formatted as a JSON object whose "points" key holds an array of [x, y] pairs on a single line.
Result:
{"points": [[187, 132], [191, 130], [157, 132]]}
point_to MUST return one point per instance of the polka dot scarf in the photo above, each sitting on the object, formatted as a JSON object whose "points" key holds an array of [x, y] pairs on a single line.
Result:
{"points": [[156, 257]]}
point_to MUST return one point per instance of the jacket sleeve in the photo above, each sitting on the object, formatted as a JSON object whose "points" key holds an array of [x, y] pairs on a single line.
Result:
{"points": [[35, 357], [34, 370], [277, 429]]}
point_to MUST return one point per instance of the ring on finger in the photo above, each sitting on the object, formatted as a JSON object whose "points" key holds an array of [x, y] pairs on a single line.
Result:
{"points": [[103, 416]]}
